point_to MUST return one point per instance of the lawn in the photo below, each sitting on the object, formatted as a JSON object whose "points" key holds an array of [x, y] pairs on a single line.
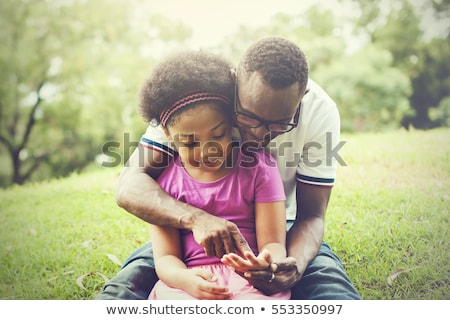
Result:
{"points": [[388, 220]]}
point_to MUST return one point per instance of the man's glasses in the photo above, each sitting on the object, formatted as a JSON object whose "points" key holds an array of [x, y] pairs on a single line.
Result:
{"points": [[254, 122]]}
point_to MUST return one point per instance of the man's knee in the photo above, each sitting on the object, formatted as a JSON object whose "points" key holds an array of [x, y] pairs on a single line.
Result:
{"points": [[135, 279], [325, 279], [133, 282]]}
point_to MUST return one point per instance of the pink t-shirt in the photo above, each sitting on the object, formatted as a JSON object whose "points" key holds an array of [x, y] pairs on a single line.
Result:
{"points": [[254, 178]]}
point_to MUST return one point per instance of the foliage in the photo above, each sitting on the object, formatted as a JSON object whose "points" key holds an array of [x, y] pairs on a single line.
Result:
{"points": [[314, 32], [425, 61], [67, 81], [70, 72], [431, 86], [441, 115], [400, 35], [388, 212], [370, 93]]}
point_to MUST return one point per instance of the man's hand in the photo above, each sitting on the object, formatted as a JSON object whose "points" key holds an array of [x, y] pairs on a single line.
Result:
{"points": [[281, 276], [218, 236]]}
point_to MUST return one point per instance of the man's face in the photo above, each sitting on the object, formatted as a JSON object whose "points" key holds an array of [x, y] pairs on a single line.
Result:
{"points": [[259, 107]]}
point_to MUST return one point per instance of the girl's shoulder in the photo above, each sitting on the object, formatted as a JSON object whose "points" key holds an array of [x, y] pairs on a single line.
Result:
{"points": [[252, 157]]}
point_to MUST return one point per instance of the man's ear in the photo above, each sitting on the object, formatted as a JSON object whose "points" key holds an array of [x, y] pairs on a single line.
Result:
{"points": [[233, 74]]}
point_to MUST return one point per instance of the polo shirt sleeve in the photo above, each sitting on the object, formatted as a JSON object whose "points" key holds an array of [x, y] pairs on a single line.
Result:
{"points": [[320, 152], [155, 139]]}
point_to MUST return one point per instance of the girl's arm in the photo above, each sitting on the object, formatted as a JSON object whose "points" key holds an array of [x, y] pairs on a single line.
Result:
{"points": [[173, 271], [271, 228], [167, 255]]}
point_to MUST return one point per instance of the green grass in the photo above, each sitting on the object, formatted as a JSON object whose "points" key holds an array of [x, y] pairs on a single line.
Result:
{"points": [[53, 233], [389, 212]]}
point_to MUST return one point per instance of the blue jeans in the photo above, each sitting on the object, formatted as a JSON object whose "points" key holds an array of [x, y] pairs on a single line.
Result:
{"points": [[324, 279]]}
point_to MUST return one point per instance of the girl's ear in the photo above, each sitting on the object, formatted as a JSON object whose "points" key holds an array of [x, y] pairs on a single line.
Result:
{"points": [[167, 133]]}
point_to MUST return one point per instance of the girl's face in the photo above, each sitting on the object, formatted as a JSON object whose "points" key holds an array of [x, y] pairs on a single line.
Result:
{"points": [[202, 136]]}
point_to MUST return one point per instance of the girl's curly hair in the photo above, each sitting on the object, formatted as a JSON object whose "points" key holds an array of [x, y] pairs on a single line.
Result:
{"points": [[181, 74]]}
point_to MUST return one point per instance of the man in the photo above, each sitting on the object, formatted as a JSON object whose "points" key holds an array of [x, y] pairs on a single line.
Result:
{"points": [[276, 107]]}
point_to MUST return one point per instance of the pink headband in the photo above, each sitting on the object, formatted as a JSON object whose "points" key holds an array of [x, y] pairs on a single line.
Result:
{"points": [[187, 100]]}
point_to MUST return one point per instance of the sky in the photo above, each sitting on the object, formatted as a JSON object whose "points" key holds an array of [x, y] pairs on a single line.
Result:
{"points": [[212, 20]]}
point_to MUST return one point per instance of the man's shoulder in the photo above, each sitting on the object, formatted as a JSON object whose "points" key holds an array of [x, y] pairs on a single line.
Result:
{"points": [[154, 138], [317, 105], [317, 94]]}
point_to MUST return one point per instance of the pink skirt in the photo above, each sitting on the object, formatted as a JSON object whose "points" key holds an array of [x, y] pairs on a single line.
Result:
{"points": [[239, 287]]}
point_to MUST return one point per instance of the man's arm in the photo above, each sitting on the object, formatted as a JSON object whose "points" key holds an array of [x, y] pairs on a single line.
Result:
{"points": [[303, 240], [139, 193], [305, 237]]}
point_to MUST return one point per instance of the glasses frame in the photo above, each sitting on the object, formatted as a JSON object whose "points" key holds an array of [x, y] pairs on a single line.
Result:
{"points": [[262, 122]]}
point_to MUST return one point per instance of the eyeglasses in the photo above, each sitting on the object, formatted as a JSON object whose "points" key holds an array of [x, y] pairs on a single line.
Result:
{"points": [[255, 122]]}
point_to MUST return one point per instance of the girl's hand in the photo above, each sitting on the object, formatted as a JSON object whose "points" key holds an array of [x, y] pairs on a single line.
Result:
{"points": [[249, 262], [201, 284], [281, 276]]}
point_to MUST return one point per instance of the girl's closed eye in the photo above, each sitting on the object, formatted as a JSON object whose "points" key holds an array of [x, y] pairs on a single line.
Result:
{"points": [[190, 144], [219, 136]]}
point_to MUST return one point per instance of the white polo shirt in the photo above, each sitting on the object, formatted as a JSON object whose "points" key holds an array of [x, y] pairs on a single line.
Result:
{"points": [[308, 153]]}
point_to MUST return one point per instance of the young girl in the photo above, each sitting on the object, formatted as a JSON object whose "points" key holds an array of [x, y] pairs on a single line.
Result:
{"points": [[188, 96]]}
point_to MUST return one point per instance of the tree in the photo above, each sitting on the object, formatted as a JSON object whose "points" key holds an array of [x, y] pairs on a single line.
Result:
{"points": [[370, 93], [23, 80], [401, 35], [315, 32], [69, 76], [400, 30], [431, 86]]}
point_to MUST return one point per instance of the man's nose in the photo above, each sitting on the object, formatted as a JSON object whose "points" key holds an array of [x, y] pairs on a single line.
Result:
{"points": [[260, 132]]}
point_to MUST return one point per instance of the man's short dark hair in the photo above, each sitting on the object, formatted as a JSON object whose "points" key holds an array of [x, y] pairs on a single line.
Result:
{"points": [[280, 63]]}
